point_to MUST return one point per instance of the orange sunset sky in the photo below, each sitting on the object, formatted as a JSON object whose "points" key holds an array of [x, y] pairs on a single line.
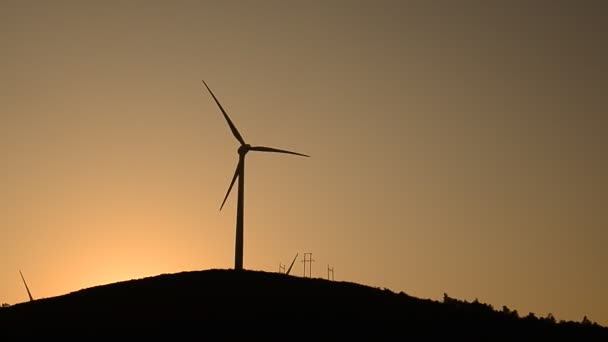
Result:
{"points": [[457, 147]]}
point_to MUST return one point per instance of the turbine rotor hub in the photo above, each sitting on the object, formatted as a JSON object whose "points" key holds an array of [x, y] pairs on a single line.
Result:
{"points": [[244, 149]]}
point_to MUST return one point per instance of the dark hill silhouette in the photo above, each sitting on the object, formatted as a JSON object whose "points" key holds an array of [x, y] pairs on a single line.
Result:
{"points": [[226, 303]]}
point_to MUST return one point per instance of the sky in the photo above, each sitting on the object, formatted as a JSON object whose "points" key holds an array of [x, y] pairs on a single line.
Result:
{"points": [[456, 147]]}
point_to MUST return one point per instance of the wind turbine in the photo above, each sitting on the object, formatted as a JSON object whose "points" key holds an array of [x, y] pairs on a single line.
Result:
{"points": [[240, 174], [27, 288]]}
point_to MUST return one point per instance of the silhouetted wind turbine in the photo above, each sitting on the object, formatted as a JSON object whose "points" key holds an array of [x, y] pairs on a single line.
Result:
{"points": [[240, 174], [27, 288]]}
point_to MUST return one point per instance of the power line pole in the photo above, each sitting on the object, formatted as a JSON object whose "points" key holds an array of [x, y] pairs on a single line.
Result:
{"points": [[330, 270], [281, 268], [308, 259]]}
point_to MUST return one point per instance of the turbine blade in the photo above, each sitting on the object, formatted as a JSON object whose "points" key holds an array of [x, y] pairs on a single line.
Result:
{"points": [[236, 175], [270, 149], [235, 131], [27, 288], [290, 266]]}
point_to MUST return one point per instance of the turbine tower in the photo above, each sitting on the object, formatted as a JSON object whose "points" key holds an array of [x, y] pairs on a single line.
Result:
{"points": [[27, 288], [240, 174]]}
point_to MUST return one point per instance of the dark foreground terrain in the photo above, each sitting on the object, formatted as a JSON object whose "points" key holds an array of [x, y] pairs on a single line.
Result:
{"points": [[220, 304]]}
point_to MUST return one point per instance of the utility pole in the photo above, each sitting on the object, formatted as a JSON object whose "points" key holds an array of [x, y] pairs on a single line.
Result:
{"points": [[330, 270], [281, 268], [308, 259]]}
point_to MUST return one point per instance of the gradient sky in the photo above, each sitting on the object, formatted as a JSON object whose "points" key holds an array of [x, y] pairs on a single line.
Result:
{"points": [[457, 147]]}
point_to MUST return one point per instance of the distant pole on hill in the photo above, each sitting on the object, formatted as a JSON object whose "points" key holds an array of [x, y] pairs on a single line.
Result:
{"points": [[308, 259], [281, 267], [330, 270]]}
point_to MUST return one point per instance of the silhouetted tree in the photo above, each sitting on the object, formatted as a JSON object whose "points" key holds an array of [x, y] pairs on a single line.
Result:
{"points": [[531, 316], [447, 299], [508, 313]]}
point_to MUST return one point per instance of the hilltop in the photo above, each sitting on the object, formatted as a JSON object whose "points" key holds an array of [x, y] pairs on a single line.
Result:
{"points": [[226, 303]]}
